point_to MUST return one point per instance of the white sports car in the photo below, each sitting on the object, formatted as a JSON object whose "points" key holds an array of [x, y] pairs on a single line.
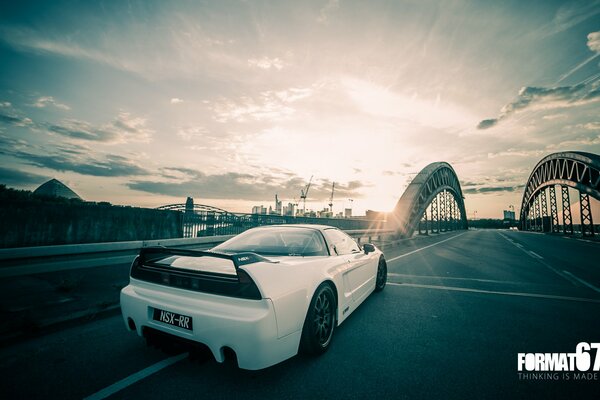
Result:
{"points": [[259, 297]]}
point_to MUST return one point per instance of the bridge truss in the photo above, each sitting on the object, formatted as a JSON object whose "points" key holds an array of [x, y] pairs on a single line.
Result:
{"points": [[435, 191], [576, 170]]}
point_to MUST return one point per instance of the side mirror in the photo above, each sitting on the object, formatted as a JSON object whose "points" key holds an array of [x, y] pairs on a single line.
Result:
{"points": [[368, 248]]}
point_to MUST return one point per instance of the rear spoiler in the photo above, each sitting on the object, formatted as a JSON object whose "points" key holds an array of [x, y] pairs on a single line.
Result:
{"points": [[148, 254], [146, 267]]}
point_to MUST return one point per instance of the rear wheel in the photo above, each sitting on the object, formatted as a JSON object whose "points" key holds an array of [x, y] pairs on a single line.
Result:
{"points": [[381, 275], [320, 321]]}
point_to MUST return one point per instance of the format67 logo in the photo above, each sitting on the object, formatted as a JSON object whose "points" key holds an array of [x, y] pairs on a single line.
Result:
{"points": [[581, 360]]}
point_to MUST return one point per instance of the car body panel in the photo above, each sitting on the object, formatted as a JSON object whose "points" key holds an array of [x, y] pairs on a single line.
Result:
{"points": [[260, 332]]}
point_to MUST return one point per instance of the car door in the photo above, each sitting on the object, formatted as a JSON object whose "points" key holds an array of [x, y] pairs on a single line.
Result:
{"points": [[361, 271], [355, 267]]}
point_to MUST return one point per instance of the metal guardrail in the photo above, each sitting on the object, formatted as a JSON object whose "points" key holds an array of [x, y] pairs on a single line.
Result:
{"points": [[45, 259]]}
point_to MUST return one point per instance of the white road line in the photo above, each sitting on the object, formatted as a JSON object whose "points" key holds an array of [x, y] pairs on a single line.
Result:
{"points": [[426, 247], [519, 294], [448, 277], [541, 261], [594, 288], [138, 376], [519, 245], [536, 255]]}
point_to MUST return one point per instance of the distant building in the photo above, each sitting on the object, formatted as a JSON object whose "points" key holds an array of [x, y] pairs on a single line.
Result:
{"points": [[289, 210], [278, 209], [325, 213], [259, 209], [347, 213], [189, 205], [55, 188]]}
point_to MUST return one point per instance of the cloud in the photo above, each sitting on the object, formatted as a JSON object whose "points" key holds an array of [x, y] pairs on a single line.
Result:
{"points": [[571, 14], [594, 41], [235, 185], [540, 98], [190, 133], [176, 100], [516, 153], [487, 123], [266, 63], [71, 157], [123, 129], [493, 189], [381, 102], [28, 39], [268, 105], [15, 177], [45, 101], [108, 166], [327, 10]]}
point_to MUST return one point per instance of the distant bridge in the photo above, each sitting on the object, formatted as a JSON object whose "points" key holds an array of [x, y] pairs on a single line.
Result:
{"points": [[437, 189], [205, 220], [574, 169]]}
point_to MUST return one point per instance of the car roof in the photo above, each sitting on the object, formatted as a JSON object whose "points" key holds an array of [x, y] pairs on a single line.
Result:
{"points": [[305, 226]]}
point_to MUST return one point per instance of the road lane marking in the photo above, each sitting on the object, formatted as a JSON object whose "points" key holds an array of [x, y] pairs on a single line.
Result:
{"points": [[594, 288], [536, 255], [138, 376], [423, 248], [518, 294], [541, 261], [448, 277]]}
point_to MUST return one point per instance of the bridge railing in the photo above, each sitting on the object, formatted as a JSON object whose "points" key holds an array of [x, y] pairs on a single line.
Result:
{"points": [[208, 223], [45, 259]]}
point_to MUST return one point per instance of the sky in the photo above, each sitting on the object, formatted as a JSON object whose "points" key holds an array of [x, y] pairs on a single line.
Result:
{"points": [[232, 102]]}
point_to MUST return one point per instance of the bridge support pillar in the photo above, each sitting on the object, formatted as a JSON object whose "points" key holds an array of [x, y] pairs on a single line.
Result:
{"points": [[423, 224], [566, 207], [435, 217], [451, 213], [587, 224], [536, 203], [544, 213], [553, 209], [443, 211]]}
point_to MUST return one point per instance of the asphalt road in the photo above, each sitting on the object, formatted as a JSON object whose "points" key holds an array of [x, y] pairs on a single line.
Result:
{"points": [[457, 310]]}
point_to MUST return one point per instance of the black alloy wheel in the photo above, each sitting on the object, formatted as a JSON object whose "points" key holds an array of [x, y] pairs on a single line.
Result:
{"points": [[320, 321], [381, 275]]}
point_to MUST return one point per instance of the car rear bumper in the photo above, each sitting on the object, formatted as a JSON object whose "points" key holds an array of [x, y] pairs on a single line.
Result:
{"points": [[248, 327]]}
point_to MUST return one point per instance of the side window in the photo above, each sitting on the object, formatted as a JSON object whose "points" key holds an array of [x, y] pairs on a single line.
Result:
{"points": [[343, 243]]}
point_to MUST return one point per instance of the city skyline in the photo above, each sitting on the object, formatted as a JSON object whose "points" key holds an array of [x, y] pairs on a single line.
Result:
{"points": [[233, 102]]}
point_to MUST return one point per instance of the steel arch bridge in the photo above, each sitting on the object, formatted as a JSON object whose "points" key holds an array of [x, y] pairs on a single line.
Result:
{"points": [[205, 220], [573, 169], [436, 188], [197, 208]]}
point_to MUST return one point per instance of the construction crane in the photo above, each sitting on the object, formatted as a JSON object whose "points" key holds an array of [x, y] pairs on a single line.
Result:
{"points": [[331, 198], [304, 194]]}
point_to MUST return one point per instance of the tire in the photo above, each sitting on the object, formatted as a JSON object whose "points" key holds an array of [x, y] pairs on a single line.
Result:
{"points": [[320, 321], [381, 277]]}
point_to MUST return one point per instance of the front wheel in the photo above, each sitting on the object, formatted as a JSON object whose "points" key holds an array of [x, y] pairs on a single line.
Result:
{"points": [[381, 275], [320, 321]]}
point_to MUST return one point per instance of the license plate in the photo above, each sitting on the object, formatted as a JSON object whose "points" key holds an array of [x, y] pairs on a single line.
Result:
{"points": [[171, 318]]}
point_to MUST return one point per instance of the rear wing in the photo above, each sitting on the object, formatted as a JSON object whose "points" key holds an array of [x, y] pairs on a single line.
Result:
{"points": [[154, 265], [148, 254]]}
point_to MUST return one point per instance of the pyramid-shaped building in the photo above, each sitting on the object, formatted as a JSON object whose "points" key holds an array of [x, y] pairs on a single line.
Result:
{"points": [[56, 188]]}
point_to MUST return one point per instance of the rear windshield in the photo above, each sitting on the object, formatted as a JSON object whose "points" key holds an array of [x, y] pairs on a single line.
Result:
{"points": [[277, 241]]}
